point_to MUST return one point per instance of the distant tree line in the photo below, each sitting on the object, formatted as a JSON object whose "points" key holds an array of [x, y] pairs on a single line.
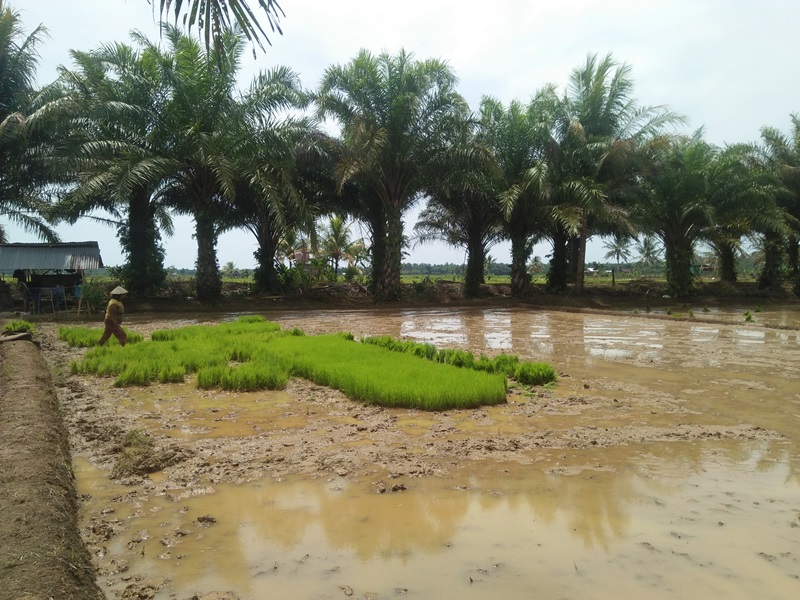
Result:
{"points": [[140, 132]]}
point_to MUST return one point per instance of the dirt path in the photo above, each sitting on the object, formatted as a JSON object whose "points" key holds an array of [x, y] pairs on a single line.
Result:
{"points": [[41, 552]]}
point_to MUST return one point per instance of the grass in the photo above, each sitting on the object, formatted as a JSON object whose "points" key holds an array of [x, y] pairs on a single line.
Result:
{"points": [[253, 354]]}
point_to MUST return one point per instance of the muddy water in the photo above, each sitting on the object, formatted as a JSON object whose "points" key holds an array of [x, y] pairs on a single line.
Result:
{"points": [[661, 519]]}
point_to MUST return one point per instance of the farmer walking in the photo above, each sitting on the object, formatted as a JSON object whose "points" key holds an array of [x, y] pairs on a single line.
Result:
{"points": [[113, 318]]}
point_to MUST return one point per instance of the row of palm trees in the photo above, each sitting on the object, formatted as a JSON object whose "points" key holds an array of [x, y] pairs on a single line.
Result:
{"points": [[148, 130]]}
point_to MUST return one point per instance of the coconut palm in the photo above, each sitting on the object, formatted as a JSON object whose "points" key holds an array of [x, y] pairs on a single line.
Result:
{"points": [[395, 113], [618, 247], [216, 16], [649, 250], [23, 125]]}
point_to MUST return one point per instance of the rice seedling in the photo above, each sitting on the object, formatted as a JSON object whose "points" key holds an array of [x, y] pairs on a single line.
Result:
{"points": [[86, 337], [535, 373], [19, 327], [371, 374], [253, 354]]}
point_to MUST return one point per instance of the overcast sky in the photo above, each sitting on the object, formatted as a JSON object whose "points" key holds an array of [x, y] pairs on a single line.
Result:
{"points": [[730, 66]]}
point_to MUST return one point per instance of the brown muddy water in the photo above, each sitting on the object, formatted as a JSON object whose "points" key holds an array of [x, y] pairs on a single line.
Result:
{"points": [[690, 518]]}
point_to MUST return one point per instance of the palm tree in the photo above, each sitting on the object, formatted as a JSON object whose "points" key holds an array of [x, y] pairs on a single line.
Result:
{"points": [[462, 209], [608, 127], [677, 208], [649, 250], [213, 137], [744, 192], [618, 247], [336, 240], [395, 112], [783, 158], [216, 16], [267, 200], [22, 128], [113, 101], [518, 138]]}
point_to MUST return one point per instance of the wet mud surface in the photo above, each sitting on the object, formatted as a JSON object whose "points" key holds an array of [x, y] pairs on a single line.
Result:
{"points": [[663, 441]]}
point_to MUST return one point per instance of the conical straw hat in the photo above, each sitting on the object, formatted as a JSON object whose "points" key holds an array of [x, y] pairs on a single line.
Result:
{"points": [[119, 291]]}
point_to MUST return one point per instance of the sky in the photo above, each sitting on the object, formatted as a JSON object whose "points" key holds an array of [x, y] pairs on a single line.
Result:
{"points": [[729, 66]]}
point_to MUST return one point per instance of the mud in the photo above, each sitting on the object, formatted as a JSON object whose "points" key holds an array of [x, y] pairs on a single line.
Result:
{"points": [[642, 402]]}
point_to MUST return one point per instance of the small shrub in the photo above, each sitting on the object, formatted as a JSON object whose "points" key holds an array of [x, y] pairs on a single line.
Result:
{"points": [[535, 373], [691, 314]]}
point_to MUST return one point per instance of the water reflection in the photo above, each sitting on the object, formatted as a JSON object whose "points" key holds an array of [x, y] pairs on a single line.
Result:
{"points": [[679, 508], [655, 520]]}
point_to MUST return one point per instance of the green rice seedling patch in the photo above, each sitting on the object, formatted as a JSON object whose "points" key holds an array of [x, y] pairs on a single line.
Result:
{"points": [[506, 364], [372, 375], [87, 337], [535, 373], [253, 354], [19, 327]]}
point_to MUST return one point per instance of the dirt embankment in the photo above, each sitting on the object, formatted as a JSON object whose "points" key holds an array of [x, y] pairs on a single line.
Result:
{"points": [[42, 555]]}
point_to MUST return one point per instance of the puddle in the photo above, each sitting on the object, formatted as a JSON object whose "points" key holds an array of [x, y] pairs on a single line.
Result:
{"points": [[662, 519]]}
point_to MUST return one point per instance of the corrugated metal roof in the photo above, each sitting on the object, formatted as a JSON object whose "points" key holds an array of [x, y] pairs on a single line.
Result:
{"points": [[70, 255]]}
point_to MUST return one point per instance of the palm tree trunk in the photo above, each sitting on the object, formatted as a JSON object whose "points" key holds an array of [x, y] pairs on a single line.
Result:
{"points": [[377, 227], [679, 266], [770, 275], [266, 276], [144, 269], [557, 275], [394, 254], [209, 283], [793, 255], [520, 278], [580, 259], [727, 262], [473, 278]]}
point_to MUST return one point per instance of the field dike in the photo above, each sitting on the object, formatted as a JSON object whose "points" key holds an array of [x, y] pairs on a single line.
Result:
{"points": [[41, 551]]}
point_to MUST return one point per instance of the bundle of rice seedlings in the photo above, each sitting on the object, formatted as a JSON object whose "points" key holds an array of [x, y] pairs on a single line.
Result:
{"points": [[535, 373]]}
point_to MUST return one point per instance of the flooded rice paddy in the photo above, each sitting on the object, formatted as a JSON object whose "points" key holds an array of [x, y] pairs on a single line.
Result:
{"points": [[658, 512]]}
